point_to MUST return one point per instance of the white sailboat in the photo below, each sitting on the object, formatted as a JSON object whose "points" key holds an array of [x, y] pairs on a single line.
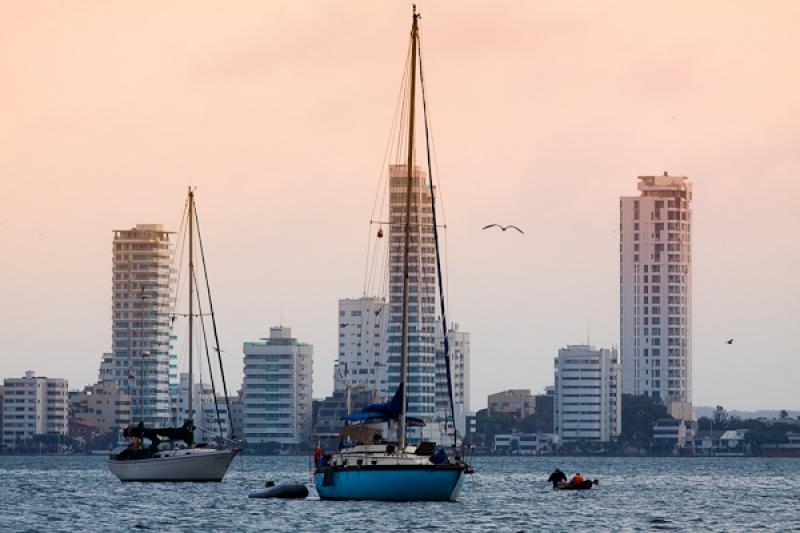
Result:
{"points": [[170, 454]]}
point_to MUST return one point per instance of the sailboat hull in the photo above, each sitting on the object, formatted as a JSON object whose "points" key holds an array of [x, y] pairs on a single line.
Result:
{"points": [[399, 483], [190, 465]]}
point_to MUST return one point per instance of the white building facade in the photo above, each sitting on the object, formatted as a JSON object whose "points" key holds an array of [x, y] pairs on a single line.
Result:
{"points": [[656, 290], [588, 397], [362, 343], [422, 293], [34, 406], [459, 347], [142, 292], [276, 395]]}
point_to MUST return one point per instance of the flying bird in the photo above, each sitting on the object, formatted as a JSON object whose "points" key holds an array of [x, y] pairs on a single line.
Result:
{"points": [[729, 341], [510, 226]]}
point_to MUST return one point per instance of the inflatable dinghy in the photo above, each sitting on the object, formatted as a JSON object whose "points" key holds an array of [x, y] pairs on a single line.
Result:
{"points": [[586, 484], [271, 490]]}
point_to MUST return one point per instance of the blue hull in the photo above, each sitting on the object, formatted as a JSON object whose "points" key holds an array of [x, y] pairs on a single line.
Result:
{"points": [[408, 484]]}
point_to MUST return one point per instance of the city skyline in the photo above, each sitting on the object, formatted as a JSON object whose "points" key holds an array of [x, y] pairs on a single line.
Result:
{"points": [[104, 137]]}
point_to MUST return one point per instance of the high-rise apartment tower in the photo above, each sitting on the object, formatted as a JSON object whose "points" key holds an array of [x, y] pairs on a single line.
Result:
{"points": [[656, 289]]}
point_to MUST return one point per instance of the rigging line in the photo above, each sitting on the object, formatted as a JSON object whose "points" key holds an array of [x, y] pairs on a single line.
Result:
{"points": [[214, 326], [208, 358], [180, 246], [179, 280], [438, 257], [383, 172]]}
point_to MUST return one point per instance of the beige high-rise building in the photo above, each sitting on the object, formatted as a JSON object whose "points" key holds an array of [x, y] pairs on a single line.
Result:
{"points": [[142, 288], [656, 289], [422, 300]]}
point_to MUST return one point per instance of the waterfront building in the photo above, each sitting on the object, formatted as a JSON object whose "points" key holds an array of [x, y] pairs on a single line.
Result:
{"points": [[544, 410], [522, 443], [101, 406], [588, 398], [516, 402], [33, 406], [142, 290], [277, 389], [459, 345], [237, 415], [422, 293], [363, 323], [656, 289]]}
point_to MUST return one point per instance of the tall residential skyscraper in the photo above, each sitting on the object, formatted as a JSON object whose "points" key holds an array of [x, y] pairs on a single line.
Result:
{"points": [[656, 289], [362, 343], [33, 406], [277, 389], [588, 401], [422, 292], [141, 301]]}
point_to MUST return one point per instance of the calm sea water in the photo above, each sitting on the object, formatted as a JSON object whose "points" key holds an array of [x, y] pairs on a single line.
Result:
{"points": [[78, 493]]}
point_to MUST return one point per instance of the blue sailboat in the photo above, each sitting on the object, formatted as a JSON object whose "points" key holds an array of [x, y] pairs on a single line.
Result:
{"points": [[370, 468]]}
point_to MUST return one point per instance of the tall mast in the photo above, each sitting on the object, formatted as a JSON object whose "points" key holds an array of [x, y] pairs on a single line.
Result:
{"points": [[191, 299], [141, 352], [409, 189]]}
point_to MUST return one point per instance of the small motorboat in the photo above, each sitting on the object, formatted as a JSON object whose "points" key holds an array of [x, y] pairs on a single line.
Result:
{"points": [[288, 490], [586, 484]]}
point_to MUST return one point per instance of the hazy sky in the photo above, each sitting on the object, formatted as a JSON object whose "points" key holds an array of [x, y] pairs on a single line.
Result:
{"points": [[544, 113]]}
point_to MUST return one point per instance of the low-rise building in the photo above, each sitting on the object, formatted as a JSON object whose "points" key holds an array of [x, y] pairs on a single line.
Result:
{"points": [[669, 435], [516, 402], [33, 406], [523, 443], [277, 389], [102, 406], [732, 443], [707, 442]]}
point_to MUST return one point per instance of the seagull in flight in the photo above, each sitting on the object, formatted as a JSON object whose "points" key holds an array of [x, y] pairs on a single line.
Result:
{"points": [[729, 341], [510, 226]]}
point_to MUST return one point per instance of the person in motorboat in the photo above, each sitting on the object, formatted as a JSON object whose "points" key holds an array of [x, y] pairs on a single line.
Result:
{"points": [[577, 479], [557, 477]]}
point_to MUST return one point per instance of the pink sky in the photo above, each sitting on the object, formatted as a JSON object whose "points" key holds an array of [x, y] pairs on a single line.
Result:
{"points": [[278, 112]]}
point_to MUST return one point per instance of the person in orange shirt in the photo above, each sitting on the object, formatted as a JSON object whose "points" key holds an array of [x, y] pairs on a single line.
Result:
{"points": [[577, 479]]}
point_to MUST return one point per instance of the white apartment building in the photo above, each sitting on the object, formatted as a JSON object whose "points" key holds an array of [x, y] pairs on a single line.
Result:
{"points": [[459, 347], [276, 395], [588, 399], [142, 287], [34, 406], [362, 343], [422, 293], [656, 290]]}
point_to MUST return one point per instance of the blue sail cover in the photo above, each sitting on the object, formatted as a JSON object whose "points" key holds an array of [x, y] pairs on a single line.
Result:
{"points": [[384, 412]]}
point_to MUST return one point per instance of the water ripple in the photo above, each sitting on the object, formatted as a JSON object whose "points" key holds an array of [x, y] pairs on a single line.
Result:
{"points": [[506, 494]]}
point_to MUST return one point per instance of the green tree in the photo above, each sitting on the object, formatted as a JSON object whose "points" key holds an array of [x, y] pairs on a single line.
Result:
{"points": [[720, 417], [639, 415]]}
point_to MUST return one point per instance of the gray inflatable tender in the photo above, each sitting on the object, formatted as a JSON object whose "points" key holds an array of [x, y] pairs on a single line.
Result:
{"points": [[271, 490]]}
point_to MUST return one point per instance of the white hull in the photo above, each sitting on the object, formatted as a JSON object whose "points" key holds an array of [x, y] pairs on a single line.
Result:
{"points": [[197, 464]]}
